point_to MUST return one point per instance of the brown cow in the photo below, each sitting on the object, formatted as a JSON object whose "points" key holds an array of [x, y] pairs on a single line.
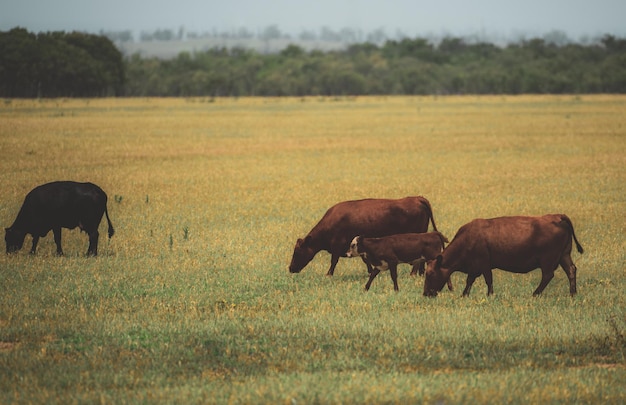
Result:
{"points": [[369, 217], [515, 244], [387, 252]]}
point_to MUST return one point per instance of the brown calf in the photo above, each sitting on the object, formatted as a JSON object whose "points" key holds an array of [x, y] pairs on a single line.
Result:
{"points": [[387, 252]]}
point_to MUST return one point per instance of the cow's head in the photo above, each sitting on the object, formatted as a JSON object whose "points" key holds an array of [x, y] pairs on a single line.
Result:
{"points": [[14, 239], [434, 277], [303, 253], [353, 251]]}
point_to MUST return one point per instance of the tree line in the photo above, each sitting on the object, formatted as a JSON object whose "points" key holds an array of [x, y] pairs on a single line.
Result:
{"points": [[407, 66], [59, 64], [271, 32], [84, 65]]}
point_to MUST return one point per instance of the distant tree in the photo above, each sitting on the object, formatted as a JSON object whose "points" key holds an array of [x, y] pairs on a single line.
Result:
{"points": [[244, 33], [270, 32], [378, 36], [19, 59], [452, 45], [613, 44], [108, 58], [145, 36], [348, 35], [292, 51], [163, 35], [415, 48], [56, 64], [558, 38], [307, 36], [327, 34], [118, 36]]}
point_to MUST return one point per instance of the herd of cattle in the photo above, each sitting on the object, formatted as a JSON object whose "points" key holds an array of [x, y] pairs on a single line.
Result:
{"points": [[382, 232], [386, 232]]}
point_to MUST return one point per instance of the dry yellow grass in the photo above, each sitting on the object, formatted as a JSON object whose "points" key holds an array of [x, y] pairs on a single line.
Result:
{"points": [[191, 300]]}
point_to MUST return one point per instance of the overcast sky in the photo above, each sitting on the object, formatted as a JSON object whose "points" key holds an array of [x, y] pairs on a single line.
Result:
{"points": [[499, 18]]}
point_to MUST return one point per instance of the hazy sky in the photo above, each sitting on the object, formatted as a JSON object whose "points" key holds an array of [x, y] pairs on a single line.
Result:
{"points": [[503, 18]]}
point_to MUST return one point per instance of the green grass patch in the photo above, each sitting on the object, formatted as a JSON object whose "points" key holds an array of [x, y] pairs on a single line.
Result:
{"points": [[191, 300]]}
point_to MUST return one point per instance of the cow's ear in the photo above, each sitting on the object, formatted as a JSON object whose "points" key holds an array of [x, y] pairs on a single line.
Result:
{"points": [[438, 260]]}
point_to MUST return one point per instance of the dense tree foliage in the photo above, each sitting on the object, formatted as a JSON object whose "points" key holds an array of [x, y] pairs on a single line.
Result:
{"points": [[59, 64], [407, 66]]}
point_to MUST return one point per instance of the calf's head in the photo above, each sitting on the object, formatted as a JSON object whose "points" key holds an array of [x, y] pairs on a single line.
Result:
{"points": [[353, 251], [303, 253], [434, 278], [14, 239]]}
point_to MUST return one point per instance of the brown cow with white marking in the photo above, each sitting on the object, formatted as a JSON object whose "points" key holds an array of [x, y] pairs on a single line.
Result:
{"points": [[387, 252], [369, 217], [515, 244]]}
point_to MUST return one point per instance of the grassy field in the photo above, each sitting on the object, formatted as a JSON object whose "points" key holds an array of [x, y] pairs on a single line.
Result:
{"points": [[191, 300]]}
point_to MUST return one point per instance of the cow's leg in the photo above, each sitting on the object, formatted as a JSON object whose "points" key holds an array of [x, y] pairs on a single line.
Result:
{"points": [[33, 248], [393, 271], [546, 276], [57, 240], [570, 269], [489, 280], [93, 243], [334, 258], [471, 277], [373, 275], [450, 288]]}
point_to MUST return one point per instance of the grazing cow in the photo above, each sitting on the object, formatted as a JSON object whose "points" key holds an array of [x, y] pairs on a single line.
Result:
{"points": [[387, 252], [514, 244], [61, 204], [369, 217]]}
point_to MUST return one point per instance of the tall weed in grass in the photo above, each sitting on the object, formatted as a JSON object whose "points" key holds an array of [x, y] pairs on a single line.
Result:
{"points": [[191, 300]]}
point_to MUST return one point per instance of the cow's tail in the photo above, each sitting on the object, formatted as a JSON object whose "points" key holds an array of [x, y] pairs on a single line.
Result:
{"points": [[444, 240], [430, 212], [111, 230], [566, 219]]}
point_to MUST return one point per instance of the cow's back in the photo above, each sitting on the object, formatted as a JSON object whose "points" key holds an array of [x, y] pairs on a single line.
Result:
{"points": [[375, 214], [515, 243], [373, 218], [60, 203]]}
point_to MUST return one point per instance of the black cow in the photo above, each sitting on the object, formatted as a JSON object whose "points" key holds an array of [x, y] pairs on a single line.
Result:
{"points": [[369, 218], [514, 244], [61, 204]]}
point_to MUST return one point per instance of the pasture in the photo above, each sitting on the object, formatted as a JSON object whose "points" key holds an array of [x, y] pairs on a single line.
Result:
{"points": [[191, 300]]}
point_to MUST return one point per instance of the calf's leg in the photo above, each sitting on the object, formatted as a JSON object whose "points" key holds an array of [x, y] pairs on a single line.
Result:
{"points": [[369, 266], [373, 275], [393, 271]]}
